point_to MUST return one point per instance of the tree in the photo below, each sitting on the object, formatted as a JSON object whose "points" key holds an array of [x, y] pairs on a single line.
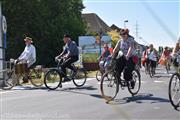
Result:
{"points": [[114, 37], [46, 21]]}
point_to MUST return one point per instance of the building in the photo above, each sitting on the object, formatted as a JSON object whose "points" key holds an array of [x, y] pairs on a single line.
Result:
{"points": [[95, 24]]}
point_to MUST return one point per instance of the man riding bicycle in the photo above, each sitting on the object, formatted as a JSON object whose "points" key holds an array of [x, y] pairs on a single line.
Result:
{"points": [[27, 56], [70, 54], [125, 62]]}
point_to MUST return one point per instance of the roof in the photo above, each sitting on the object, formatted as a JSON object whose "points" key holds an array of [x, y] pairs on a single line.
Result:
{"points": [[114, 27], [95, 23]]}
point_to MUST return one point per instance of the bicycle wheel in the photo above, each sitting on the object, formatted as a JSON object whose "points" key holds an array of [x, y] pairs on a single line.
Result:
{"points": [[174, 90], [9, 81], [151, 73], [52, 79], [146, 69], [109, 86], [134, 84], [80, 77], [36, 78], [98, 75]]}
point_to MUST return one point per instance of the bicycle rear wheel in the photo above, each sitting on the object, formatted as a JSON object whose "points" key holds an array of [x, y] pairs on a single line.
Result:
{"points": [[109, 86], [174, 90], [134, 84], [80, 77], [52, 79], [36, 78]]}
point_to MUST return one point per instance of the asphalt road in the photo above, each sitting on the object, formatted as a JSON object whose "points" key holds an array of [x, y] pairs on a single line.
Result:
{"points": [[86, 103]]}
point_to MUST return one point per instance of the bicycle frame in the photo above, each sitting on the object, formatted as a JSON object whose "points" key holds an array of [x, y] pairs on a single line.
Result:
{"points": [[61, 71]]}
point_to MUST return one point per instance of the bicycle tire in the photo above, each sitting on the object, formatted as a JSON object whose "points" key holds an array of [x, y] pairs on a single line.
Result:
{"points": [[52, 79], [36, 78], [112, 82], [9, 81], [98, 75], [151, 72], [80, 78], [177, 77], [137, 82]]}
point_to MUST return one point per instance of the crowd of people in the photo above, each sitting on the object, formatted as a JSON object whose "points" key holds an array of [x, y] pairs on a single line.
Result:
{"points": [[127, 52]]}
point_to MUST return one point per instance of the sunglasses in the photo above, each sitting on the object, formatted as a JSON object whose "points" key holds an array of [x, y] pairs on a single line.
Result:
{"points": [[123, 34]]}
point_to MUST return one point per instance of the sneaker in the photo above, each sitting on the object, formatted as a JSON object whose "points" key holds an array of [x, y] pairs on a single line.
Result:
{"points": [[66, 80], [132, 84], [25, 80]]}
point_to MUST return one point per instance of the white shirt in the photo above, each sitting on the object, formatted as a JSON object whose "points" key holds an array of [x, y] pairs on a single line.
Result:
{"points": [[29, 55], [152, 56]]}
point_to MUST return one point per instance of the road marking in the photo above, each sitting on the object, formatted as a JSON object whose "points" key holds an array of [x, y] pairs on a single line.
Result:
{"points": [[3, 92], [156, 81]]}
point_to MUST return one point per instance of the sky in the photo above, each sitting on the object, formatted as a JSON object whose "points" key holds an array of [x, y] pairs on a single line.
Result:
{"points": [[156, 21]]}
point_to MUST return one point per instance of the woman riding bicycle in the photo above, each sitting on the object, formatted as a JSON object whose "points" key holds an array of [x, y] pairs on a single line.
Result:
{"points": [[125, 62], [103, 57], [176, 55], [165, 58], [152, 56]]}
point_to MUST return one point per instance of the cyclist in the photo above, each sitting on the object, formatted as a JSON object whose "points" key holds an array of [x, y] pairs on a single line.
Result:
{"points": [[176, 55], [144, 56], [27, 56], [103, 57], [70, 54], [165, 56], [152, 56], [125, 46]]}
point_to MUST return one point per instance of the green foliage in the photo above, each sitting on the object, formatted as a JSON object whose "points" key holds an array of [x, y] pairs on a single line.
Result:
{"points": [[90, 57], [45, 21], [114, 36]]}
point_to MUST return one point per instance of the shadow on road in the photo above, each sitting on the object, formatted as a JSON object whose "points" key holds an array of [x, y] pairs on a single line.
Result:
{"points": [[140, 98], [79, 90]]}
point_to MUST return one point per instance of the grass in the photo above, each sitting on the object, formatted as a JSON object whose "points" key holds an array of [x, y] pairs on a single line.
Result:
{"points": [[91, 74], [90, 57]]}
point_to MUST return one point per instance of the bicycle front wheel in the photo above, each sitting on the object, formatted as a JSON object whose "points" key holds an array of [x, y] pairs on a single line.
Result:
{"points": [[52, 79], [151, 71], [174, 90], [80, 77], [109, 86], [134, 84], [98, 75], [36, 78], [9, 81]]}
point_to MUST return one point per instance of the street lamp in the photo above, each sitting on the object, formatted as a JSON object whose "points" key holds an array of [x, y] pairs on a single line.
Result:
{"points": [[125, 23], [100, 37]]}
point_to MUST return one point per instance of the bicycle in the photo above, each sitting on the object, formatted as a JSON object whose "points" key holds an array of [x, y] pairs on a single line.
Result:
{"points": [[174, 89], [167, 65], [53, 77], [101, 70], [150, 69], [110, 83], [15, 75]]}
